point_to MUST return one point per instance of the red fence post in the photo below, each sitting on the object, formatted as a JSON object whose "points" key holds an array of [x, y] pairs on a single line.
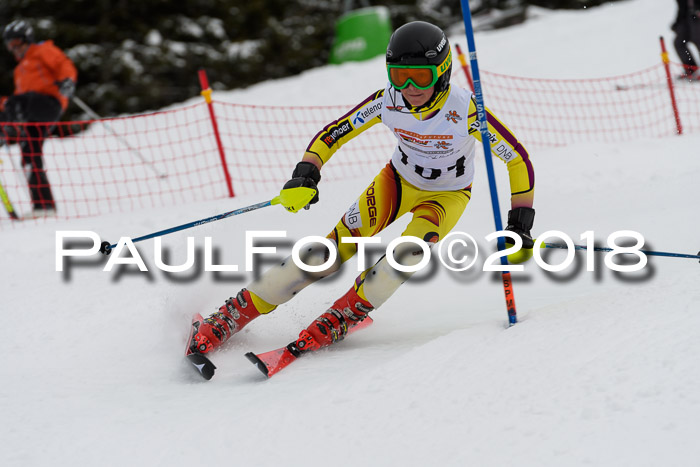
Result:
{"points": [[669, 81], [463, 61], [206, 92]]}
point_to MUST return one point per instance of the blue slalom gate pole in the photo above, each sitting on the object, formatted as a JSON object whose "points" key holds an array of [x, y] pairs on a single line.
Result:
{"points": [[484, 129]]}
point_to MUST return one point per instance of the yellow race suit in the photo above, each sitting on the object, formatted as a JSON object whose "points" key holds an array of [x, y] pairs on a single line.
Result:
{"points": [[430, 175]]}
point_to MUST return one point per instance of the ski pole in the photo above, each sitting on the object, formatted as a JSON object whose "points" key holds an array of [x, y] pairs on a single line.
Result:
{"points": [[292, 198], [646, 252], [486, 141], [96, 117]]}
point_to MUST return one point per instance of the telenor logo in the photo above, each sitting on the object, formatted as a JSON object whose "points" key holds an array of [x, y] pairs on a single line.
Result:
{"points": [[358, 119]]}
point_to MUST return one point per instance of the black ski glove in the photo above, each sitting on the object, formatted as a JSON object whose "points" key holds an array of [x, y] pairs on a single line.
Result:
{"points": [[66, 87], [520, 221], [307, 175], [15, 108]]}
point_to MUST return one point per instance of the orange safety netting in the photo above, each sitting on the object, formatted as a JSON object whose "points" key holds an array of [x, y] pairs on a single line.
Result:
{"points": [[171, 157]]}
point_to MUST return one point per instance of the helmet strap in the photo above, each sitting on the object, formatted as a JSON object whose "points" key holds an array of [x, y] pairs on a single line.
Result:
{"points": [[428, 106]]}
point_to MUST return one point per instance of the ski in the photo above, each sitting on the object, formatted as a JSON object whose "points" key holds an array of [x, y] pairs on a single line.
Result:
{"points": [[274, 361], [629, 87], [270, 363], [199, 361], [8, 205], [202, 364]]}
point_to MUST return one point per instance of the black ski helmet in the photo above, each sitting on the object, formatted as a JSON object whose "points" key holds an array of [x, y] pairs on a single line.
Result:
{"points": [[19, 29], [421, 43]]}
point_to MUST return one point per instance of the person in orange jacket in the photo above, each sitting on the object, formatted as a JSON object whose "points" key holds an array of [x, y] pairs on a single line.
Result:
{"points": [[45, 80]]}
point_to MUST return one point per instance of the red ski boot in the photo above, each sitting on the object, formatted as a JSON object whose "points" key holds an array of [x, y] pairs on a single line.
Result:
{"points": [[347, 315], [220, 326], [333, 325]]}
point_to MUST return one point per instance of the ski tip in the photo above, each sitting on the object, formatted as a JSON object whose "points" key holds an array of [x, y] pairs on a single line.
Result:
{"points": [[202, 364], [258, 363]]}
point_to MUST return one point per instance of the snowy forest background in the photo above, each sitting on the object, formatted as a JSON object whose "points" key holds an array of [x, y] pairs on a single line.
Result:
{"points": [[140, 55]]}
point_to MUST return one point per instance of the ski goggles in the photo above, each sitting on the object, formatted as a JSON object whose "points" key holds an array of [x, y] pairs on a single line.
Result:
{"points": [[420, 76]]}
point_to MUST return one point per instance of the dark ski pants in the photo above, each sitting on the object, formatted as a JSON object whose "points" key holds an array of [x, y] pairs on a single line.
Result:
{"points": [[687, 31], [40, 112]]}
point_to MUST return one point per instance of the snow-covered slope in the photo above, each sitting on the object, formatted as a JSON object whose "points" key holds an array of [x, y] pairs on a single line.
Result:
{"points": [[601, 370]]}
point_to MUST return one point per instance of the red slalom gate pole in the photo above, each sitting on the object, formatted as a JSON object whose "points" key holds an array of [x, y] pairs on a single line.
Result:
{"points": [[206, 93], [465, 68], [669, 81]]}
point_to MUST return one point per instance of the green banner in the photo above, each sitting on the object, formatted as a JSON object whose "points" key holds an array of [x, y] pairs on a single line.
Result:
{"points": [[361, 34]]}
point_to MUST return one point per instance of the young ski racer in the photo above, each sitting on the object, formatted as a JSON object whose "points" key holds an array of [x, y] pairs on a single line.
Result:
{"points": [[430, 176]]}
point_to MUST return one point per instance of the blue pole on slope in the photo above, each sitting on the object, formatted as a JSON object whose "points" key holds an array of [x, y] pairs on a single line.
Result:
{"points": [[484, 129]]}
